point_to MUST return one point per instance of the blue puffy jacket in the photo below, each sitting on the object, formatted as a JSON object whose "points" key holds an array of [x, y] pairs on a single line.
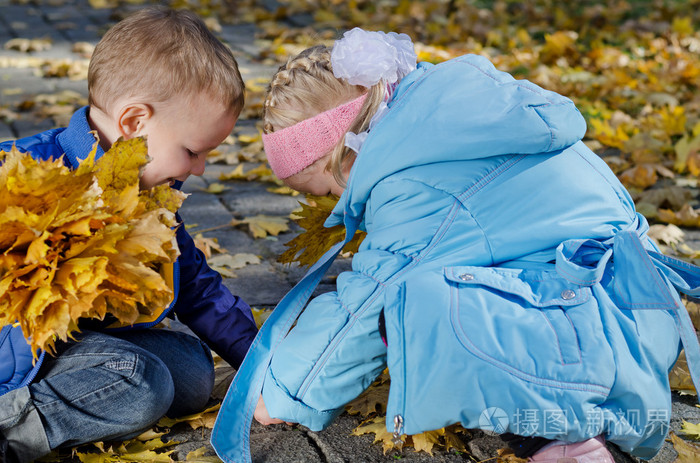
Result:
{"points": [[472, 173], [201, 300]]}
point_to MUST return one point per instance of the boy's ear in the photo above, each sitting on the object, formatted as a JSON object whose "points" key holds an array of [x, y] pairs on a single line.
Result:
{"points": [[132, 119]]}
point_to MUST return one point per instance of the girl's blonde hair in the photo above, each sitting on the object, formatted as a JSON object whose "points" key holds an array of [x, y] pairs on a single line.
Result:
{"points": [[304, 87], [157, 53]]}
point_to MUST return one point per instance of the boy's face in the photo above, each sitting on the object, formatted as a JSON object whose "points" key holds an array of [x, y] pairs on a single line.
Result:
{"points": [[180, 133]]}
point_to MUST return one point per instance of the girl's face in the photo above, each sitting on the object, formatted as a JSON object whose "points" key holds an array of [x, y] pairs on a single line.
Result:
{"points": [[316, 179]]}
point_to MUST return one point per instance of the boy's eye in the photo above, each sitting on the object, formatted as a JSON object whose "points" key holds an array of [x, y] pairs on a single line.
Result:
{"points": [[192, 154]]}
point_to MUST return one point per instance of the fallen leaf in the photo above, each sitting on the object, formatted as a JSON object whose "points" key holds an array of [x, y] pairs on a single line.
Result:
{"points": [[262, 225], [283, 190], [132, 451], [506, 455], [425, 441], [308, 246], [679, 377], [377, 426], [262, 173], [687, 452], [691, 430], [84, 49], [28, 45], [260, 315], [207, 245], [215, 188], [198, 455], [642, 176], [666, 234], [205, 418], [372, 400], [232, 262]]}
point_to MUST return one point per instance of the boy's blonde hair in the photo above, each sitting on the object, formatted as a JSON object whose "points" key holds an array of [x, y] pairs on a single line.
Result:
{"points": [[304, 87], [157, 53]]}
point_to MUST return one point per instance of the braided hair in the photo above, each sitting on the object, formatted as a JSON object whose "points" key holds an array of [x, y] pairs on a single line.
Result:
{"points": [[304, 87]]}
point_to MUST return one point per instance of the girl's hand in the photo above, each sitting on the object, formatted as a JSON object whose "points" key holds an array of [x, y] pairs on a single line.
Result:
{"points": [[263, 417]]}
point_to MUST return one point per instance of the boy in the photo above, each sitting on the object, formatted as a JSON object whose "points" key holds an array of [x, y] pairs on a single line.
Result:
{"points": [[160, 74]]}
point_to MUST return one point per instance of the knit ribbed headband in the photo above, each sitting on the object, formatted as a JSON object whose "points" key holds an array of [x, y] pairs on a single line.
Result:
{"points": [[294, 148]]}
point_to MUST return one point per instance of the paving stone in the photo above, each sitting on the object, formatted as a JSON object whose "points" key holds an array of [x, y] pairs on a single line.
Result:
{"points": [[282, 444], [91, 34], [250, 198], [6, 132], [26, 127]]}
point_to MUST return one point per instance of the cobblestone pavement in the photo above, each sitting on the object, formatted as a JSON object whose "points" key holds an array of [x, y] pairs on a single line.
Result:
{"points": [[24, 81]]}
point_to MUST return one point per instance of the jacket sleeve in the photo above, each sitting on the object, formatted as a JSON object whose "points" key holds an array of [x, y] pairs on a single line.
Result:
{"points": [[222, 320], [335, 351]]}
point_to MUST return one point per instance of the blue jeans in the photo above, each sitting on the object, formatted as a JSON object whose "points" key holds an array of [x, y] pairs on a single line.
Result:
{"points": [[107, 387]]}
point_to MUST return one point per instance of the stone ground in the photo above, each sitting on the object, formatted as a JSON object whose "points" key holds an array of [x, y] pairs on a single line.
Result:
{"points": [[263, 285]]}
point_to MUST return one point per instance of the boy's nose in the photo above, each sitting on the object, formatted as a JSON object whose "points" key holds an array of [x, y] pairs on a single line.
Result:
{"points": [[198, 165]]}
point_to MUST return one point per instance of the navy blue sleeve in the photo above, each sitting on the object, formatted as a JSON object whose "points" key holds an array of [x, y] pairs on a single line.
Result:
{"points": [[222, 320]]}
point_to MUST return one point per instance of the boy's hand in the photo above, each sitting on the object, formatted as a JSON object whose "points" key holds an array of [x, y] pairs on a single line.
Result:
{"points": [[263, 417]]}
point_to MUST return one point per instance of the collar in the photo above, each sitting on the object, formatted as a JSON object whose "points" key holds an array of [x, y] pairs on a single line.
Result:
{"points": [[76, 141]]}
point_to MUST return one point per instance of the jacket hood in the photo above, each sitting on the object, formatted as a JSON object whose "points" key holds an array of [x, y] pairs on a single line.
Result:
{"points": [[458, 110]]}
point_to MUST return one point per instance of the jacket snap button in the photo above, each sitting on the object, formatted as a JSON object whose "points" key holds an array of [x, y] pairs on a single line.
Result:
{"points": [[466, 277], [568, 294]]}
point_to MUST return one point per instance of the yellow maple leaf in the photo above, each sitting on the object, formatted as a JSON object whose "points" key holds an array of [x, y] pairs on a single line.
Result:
{"points": [[262, 225], [373, 399], [679, 377], [685, 217], [307, 247], [687, 452], [262, 173], [207, 245], [205, 418], [215, 188], [197, 456], [452, 440], [425, 441], [132, 451], [377, 426], [224, 263], [507, 456], [641, 176], [602, 131], [691, 429], [260, 315]]}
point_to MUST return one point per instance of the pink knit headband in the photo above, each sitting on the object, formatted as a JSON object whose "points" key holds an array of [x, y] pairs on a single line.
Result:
{"points": [[294, 148]]}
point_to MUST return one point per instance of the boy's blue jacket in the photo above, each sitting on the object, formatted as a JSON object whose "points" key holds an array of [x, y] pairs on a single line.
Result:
{"points": [[219, 318], [472, 173]]}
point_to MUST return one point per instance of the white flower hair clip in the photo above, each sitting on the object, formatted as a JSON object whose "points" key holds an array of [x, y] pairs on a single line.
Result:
{"points": [[365, 57]]}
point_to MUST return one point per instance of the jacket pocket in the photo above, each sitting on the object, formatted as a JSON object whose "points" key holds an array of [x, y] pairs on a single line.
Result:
{"points": [[463, 340], [518, 319]]}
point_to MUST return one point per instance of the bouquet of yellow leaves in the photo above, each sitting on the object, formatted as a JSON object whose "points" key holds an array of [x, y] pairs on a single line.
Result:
{"points": [[82, 243]]}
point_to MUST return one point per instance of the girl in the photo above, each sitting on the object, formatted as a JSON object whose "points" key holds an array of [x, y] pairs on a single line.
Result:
{"points": [[504, 263]]}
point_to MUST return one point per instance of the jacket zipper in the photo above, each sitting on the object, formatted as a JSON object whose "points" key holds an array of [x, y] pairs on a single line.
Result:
{"points": [[176, 292], [398, 431], [35, 370], [401, 376]]}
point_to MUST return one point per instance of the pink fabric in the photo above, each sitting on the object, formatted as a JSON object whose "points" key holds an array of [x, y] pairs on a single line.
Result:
{"points": [[294, 148], [589, 451]]}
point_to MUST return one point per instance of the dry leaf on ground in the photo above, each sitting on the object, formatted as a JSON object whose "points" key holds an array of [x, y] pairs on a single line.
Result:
{"points": [[224, 263], [262, 225], [687, 452]]}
